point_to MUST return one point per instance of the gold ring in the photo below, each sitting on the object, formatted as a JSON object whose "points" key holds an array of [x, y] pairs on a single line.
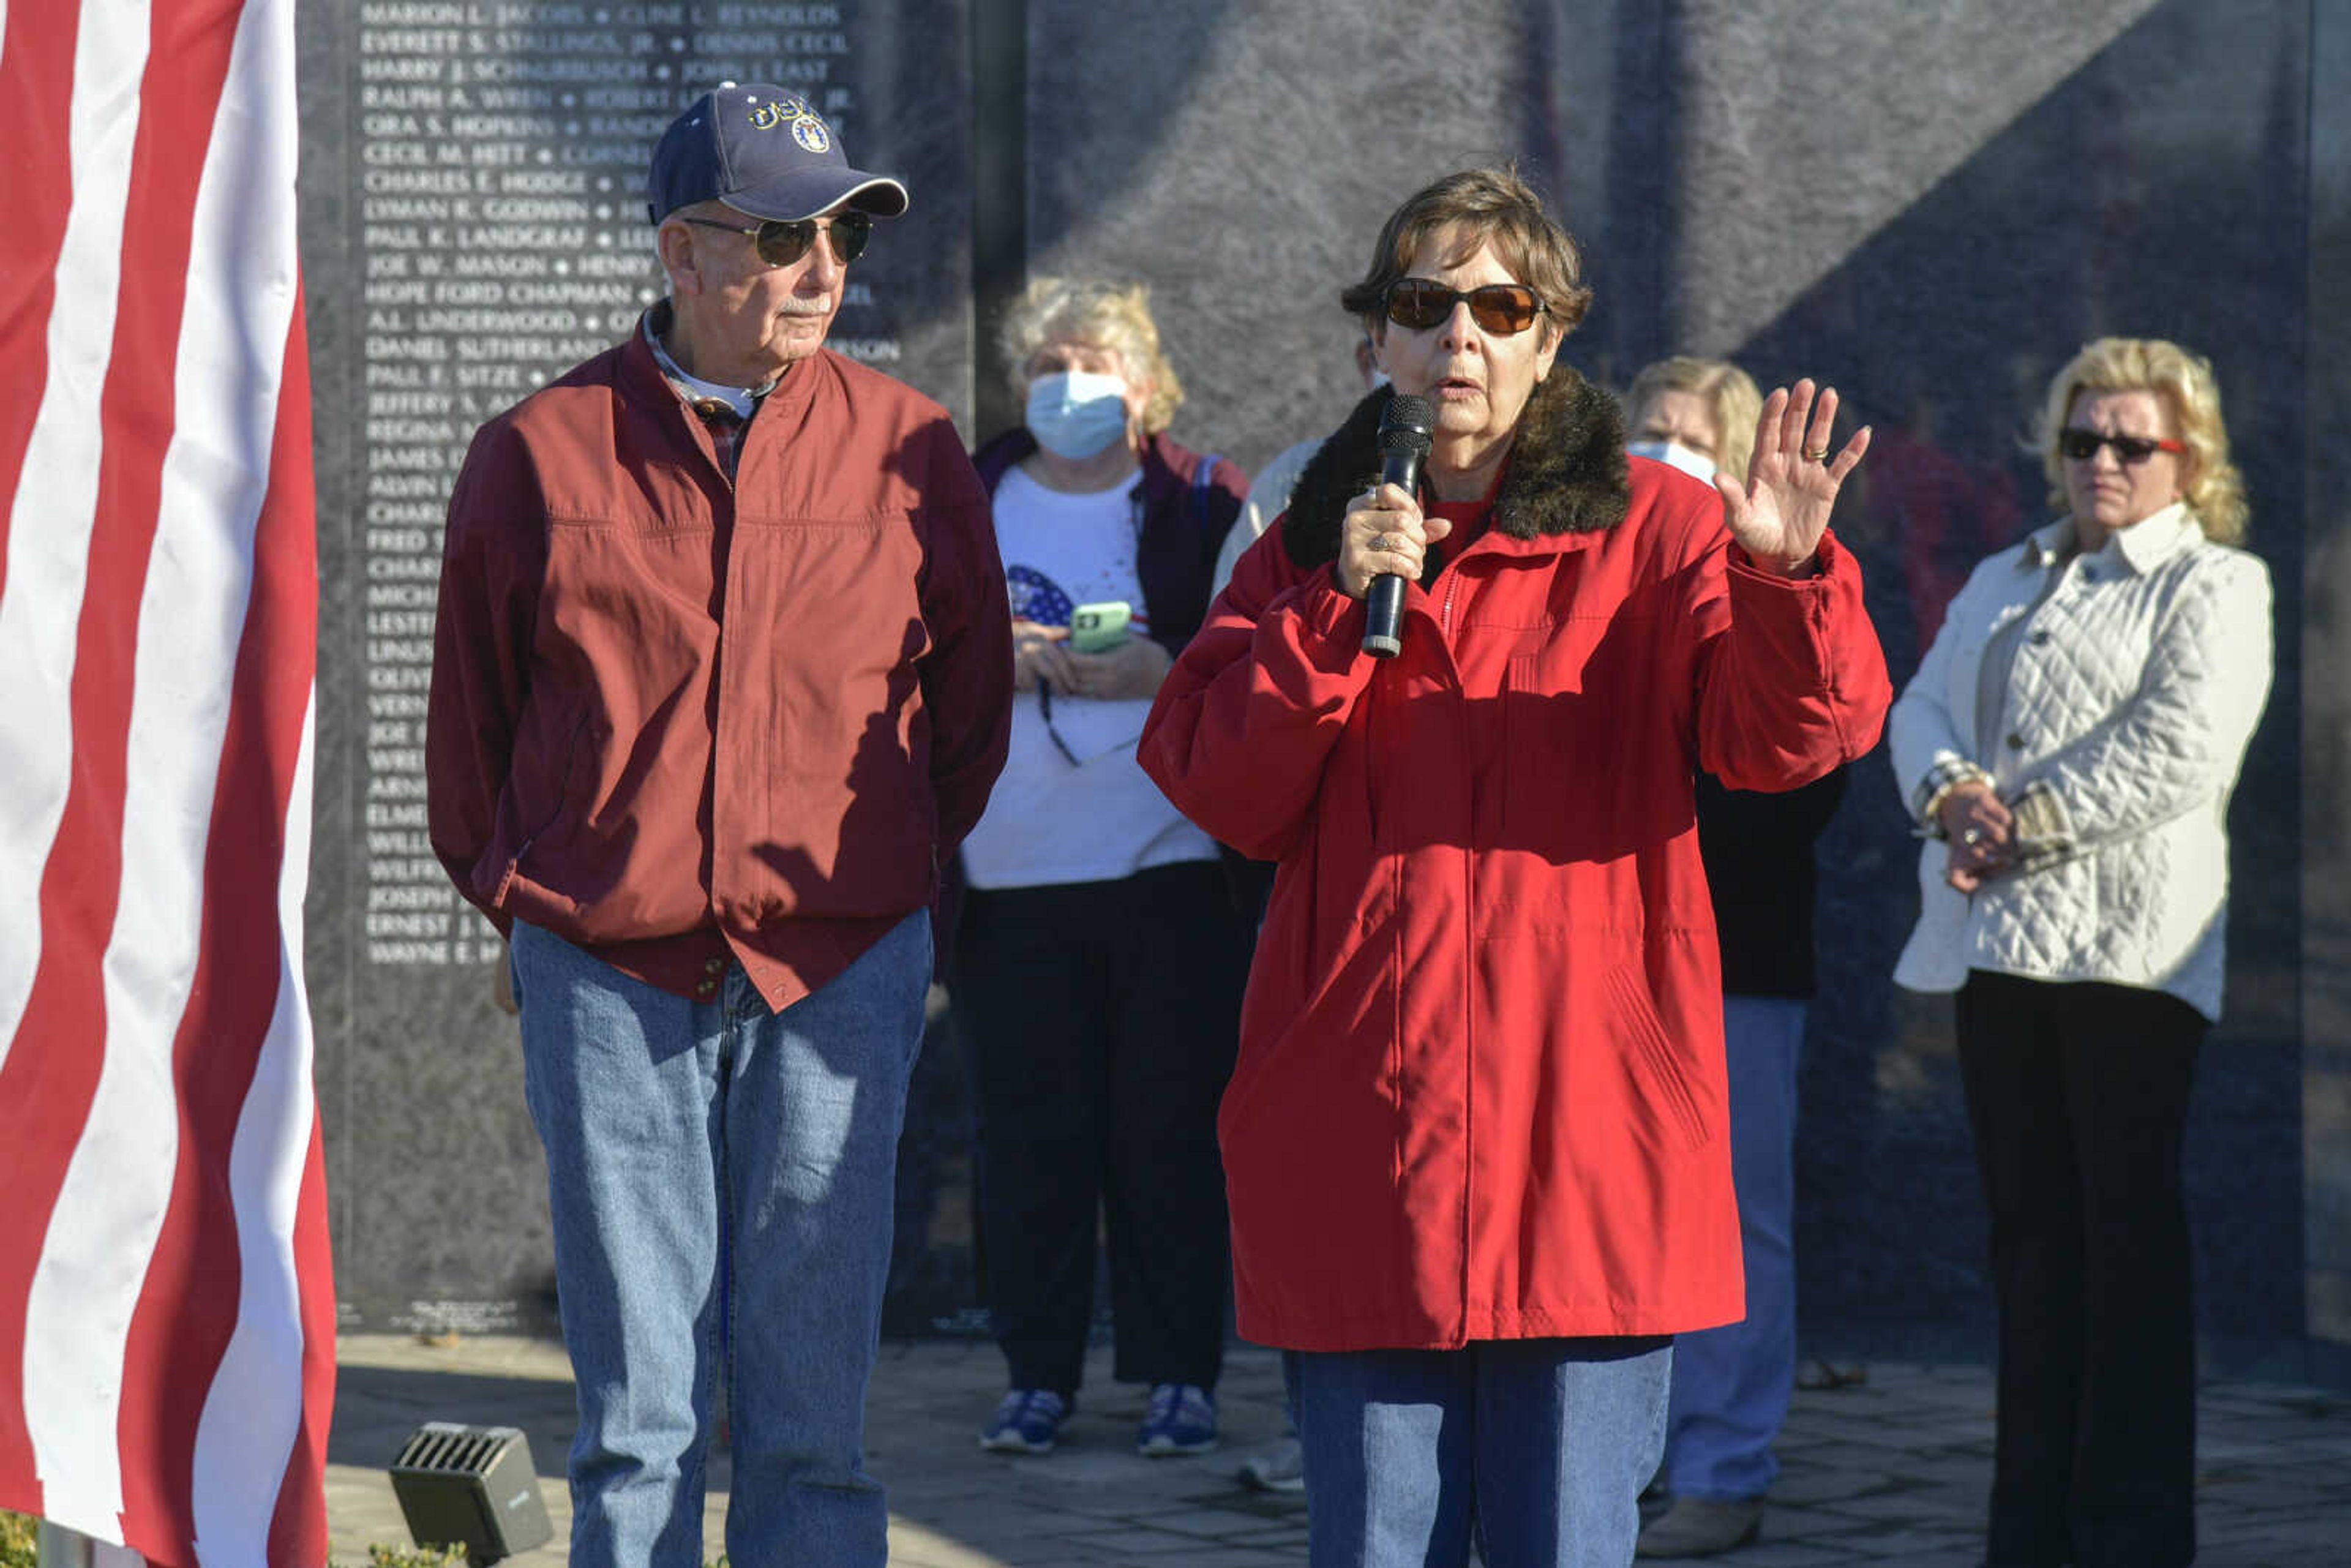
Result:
{"points": [[1820, 457]]}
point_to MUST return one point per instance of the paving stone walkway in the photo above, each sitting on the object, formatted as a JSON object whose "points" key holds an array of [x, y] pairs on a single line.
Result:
{"points": [[1893, 1471]]}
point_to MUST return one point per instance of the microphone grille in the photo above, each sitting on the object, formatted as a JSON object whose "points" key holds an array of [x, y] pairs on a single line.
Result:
{"points": [[1408, 426]]}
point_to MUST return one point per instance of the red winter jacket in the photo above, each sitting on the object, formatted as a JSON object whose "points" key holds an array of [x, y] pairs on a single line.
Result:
{"points": [[1480, 1093]]}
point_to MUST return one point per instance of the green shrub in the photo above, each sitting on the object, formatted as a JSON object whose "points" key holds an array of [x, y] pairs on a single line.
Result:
{"points": [[18, 1546]]}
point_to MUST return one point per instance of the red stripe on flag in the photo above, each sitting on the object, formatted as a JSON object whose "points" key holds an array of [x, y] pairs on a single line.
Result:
{"points": [[196, 1252], [45, 1094], [45, 1091], [187, 1310], [298, 1534], [289, 576], [36, 91]]}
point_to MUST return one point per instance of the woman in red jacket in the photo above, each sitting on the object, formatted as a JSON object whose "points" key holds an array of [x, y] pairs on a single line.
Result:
{"points": [[1475, 1146]]}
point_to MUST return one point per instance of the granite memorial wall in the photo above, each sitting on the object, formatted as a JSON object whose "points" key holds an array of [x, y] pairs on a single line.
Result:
{"points": [[1929, 207]]}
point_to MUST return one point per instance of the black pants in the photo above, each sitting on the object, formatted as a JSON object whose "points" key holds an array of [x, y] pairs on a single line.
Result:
{"points": [[1099, 1020], [2078, 1097]]}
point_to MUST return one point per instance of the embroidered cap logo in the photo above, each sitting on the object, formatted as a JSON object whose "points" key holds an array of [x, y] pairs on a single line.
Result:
{"points": [[777, 110]]}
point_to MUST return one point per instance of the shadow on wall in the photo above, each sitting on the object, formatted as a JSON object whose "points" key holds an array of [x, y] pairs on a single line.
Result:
{"points": [[2159, 191]]}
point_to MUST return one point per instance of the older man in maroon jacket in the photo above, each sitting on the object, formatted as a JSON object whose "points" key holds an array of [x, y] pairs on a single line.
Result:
{"points": [[722, 676]]}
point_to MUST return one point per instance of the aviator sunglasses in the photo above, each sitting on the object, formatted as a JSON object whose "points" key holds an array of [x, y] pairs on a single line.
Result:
{"points": [[782, 242], [2082, 447], [1421, 303]]}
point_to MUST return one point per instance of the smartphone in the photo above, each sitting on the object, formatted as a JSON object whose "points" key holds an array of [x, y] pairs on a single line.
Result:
{"points": [[1097, 628]]}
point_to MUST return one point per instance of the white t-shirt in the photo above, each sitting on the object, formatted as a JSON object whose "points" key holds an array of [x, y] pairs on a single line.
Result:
{"points": [[1100, 817]]}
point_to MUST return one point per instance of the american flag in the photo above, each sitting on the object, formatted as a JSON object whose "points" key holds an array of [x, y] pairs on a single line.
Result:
{"points": [[166, 1306]]}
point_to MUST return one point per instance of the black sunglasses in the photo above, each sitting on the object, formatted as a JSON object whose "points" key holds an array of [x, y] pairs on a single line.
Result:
{"points": [[1421, 303], [782, 242], [2081, 446]]}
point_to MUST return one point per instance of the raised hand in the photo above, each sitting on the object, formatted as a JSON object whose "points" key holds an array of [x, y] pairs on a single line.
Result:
{"points": [[1779, 515]]}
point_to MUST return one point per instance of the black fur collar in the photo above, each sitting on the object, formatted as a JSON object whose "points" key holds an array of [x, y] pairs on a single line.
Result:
{"points": [[1566, 470]]}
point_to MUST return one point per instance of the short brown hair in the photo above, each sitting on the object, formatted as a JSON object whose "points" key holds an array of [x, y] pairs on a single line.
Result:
{"points": [[2211, 484], [1480, 206]]}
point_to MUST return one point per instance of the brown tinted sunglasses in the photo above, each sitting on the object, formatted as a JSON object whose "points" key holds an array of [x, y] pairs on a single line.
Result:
{"points": [[1421, 303]]}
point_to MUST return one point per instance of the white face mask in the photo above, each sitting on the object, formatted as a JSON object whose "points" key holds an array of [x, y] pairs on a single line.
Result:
{"points": [[1077, 413], [1697, 464]]}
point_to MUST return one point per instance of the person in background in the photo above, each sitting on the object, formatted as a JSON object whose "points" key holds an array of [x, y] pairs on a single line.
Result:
{"points": [[1269, 493], [1098, 959], [722, 674], [1474, 1143], [1731, 1384], [2068, 746]]}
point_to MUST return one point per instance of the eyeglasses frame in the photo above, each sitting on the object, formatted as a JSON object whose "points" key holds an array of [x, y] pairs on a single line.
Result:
{"points": [[1459, 296], [2152, 445], [863, 223]]}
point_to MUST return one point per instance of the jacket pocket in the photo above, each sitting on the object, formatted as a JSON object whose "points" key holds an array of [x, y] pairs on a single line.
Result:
{"points": [[554, 813], [1663, 1099]]}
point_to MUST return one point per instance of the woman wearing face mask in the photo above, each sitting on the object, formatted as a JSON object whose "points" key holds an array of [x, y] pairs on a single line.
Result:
{"points": [[1697, 416], [1098, 958], [1475, 1144], [2068, 746], [1731, 1384]]}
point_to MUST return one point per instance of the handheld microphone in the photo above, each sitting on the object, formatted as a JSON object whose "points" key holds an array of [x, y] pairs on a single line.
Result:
{"points": [[1406, 433]]}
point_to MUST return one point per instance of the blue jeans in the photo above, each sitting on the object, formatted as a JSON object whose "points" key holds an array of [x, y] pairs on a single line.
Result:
{"points": [[1731, 1384], [714, 1169], [1539, 1449]]}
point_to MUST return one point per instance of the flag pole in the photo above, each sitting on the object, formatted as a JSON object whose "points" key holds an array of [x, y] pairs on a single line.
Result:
{"points": [[57, 1547], [61, 1548]]}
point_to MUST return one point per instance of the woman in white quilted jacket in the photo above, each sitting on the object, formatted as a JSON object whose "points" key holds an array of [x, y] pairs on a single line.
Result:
{"points": [[2068, 746]]}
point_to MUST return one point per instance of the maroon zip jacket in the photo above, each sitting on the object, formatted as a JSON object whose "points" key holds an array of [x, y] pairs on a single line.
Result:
{"points": [[676, 720]]}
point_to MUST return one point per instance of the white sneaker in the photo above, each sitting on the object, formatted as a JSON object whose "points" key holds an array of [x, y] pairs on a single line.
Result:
{"points": [[1280, 1469]]}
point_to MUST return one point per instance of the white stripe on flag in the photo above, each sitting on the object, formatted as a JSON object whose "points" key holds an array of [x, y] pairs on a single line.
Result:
{"points": [[239, 309], [254, 1410], [55, 505]]}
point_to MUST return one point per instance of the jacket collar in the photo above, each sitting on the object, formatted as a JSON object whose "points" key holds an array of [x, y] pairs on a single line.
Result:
{"points": [[1565, 472], [2142, 547], [643, 373], [653, 325]]}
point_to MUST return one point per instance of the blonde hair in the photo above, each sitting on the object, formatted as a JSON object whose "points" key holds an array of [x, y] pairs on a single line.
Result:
{"points": [[2211, 485], [1083, 310], [1732, 396]]}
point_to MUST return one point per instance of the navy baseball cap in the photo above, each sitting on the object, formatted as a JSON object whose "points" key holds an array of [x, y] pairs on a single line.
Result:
{"points": [[765, 151]]}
